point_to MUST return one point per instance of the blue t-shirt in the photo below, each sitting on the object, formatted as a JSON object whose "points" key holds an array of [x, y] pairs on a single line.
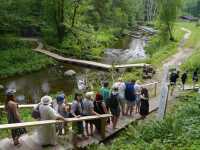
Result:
{"points": [[130, 92]]}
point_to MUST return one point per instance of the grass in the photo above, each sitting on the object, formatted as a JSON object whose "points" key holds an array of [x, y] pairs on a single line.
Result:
{"points": [[17, 58], [180, 130], [193, 61], [25, 114], [160, 50]]}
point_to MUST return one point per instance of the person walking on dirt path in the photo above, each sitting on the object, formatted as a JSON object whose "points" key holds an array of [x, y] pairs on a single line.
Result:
{"points": [[173, 79], [184, 79], [195, 78], [13, 116]]}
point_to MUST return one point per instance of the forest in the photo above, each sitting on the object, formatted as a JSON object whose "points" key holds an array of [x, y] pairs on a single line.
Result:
{"points": [[85, 30], [82, 28]]}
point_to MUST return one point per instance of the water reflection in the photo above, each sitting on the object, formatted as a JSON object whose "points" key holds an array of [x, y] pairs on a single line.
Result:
{"points": [[32, 86]]}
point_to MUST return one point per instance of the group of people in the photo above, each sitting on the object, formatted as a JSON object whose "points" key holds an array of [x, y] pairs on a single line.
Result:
{"points": [[121, 98], [174, 76]]}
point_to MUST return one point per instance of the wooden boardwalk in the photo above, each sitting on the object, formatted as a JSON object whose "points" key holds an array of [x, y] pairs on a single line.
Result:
{"points": [[78, 61], [29, 142]]}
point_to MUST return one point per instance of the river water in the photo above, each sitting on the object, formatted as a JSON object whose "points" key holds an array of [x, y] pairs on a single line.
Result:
{"points": [[31, 87]]}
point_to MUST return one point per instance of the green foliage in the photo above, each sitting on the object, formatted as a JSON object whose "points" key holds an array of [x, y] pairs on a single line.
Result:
{"points": [[192, 62], [18, 58], [160, 49], [25, 116], [191, 7], [179, 130], [168, 11]]}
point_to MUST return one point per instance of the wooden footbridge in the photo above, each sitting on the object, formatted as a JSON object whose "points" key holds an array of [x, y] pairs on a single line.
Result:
{"points": [[30, 142], [86, 63]]}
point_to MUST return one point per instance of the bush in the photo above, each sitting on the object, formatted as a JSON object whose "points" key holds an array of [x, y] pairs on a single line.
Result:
{"points": [[21, 60], [179, 130]]}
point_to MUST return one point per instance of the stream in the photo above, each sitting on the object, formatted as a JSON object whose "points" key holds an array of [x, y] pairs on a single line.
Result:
{"points": [[30, 87]]}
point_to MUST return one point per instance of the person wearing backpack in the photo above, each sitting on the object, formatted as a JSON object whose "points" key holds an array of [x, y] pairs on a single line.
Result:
{"points": [[100, 108], [114, 106], [130, 97]]}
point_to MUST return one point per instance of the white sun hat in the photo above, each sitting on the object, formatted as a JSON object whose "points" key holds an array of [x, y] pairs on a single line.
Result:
{"points": [[46, 100]]}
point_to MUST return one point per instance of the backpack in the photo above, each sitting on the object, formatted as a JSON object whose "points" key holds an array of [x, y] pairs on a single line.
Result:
{"points": [[36, 112], [113, 101], [130, 92], [98, 107]]}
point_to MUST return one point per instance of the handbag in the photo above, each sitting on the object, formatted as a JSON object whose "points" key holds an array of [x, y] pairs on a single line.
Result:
{"points": [[36, 112]]}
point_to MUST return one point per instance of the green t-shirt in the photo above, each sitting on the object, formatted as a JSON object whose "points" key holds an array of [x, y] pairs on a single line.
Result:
{"points": [[105, 92]]}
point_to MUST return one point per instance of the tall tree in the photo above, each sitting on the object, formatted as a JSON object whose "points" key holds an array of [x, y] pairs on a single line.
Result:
{"points": [[168, 12]]}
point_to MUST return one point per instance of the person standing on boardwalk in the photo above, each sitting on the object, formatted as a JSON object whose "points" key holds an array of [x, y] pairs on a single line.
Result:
{"points": [[77, 111], [121, 89], [100, 108], [60, 108], [137, 88], [114, 106], [13, 116], [144, 107], [130, 97], [88, 110], [105, 91], [184, 78], [173, 79], [47, 133], [195, 77]]}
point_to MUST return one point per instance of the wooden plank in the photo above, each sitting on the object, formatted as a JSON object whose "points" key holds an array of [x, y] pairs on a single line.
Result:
{"points": [[47, 122]]}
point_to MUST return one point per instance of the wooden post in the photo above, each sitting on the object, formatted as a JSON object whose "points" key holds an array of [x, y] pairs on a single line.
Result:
{"points": [[103, 127], [167, 99], [155, 89]]}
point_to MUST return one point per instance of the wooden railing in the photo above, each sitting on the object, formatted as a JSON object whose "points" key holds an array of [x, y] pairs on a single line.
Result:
{"points": [[102, 118], [155, 84]]}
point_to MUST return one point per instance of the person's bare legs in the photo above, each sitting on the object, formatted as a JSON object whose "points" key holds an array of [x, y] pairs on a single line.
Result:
{"points": [[123, 108], [16, 141], [115, 120], [87, 130], [91, 129]]}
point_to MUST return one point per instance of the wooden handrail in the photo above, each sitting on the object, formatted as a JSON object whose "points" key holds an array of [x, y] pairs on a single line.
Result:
{"points": [[48, 122], [33, 105]]}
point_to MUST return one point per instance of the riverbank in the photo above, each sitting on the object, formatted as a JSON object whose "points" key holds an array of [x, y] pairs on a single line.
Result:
{"points": [[179, 129], [17, 58]]}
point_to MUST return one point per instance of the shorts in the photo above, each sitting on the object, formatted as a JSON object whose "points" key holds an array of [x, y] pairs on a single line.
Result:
{"points": [[122, 101], [131, 103], [137, 99], [115, 111]]}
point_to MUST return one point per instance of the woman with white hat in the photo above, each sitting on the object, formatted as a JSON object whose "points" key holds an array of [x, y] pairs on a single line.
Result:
{"points": [[47, 133]]}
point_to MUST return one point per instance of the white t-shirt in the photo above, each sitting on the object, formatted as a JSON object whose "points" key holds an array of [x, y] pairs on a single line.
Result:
{"points": [[121, 89], [137, 88]]}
